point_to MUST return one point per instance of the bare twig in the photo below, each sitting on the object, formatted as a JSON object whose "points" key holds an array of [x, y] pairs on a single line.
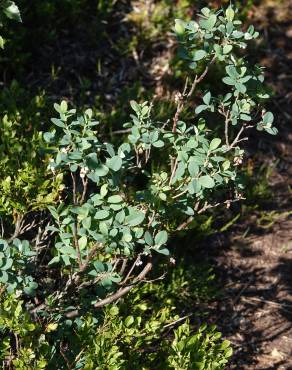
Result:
{"points": [[88, 258], [85, 184], [177, 321], [174, 166], [200, 78], [74, 188], [76, 243], [137, 260], [206, 206], [18, 227], [181, 98], [2, 227], [120, 132], [238, 138], [120, 293], [123, 267]]}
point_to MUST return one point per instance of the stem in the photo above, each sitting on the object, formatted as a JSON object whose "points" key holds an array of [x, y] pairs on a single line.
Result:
{"points": [[173, 171], [184, 96], [85, 184], [74, 188], [120, 293], [227, 120], [131, 270]]}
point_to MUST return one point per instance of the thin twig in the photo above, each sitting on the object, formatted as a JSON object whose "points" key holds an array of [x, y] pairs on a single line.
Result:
{"points": [[85, 184], [120, 293], [173, 171], [178, 321], [205, 207], [181, 98], [74, 188], [131, 270]]}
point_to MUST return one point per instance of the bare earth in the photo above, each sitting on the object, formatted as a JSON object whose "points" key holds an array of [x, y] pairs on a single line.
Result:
{"points": [[255, 259]]}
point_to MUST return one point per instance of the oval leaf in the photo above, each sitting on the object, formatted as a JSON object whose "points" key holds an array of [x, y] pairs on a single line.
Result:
{"points": [[207, 182]]}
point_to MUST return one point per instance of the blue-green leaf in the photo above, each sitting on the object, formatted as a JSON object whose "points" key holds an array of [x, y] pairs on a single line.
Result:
{"points": [[207, 181], [161, 238]]}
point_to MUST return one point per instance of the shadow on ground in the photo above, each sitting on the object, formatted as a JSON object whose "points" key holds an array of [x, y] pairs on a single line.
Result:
{"points": [[254, 260]]}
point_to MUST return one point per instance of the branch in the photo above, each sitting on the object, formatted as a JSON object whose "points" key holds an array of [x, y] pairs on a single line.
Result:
{"points": [[74, 188], [238, 139], [138, 259], [206, 206], [85, 184], [199, 79], [181, 98], [112, 298]]}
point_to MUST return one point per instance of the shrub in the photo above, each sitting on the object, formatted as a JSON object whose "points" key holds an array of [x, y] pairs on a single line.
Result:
{"points": [[182, 168], [121, 203]]}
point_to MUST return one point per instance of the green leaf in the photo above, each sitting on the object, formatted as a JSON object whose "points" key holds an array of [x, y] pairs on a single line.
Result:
{"points": [[198, 55], [2, 42], [209, 23], [193, 168], [268, 117], [161, 238], [135, 218], [127, 237], [148, 238], [163, 251], [201, 108], [272, 130], [214, 144], [135, 106], [207, 182], [3, 277], [101, 170], [193, 65], [129, 321], [179, 172], [194, 187], [58, 122], [226, 165], [114, 163], [245, 117], [104, 190], [179, 26], [158, 144], [207, 98], [82, 242], [8, 264], [11, 11], [64, 106], [205, 11], [115, 199], [229, 81], [240, 87], [230, 14], [101, 215], [232, 72], [103, 228], [227, 49], [54, 260]]}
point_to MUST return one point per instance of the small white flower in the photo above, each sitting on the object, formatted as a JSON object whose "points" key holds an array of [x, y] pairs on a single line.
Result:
{"points": [[83, 172], [237, 161], [139, 263], [172, 260]]}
